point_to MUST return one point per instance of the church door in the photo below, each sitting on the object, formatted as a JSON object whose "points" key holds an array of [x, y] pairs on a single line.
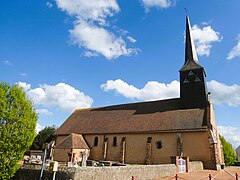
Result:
{"points": [[181, 165]]}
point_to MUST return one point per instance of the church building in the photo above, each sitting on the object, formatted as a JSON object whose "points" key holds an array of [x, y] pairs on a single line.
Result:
{"points": [[152, 132]]}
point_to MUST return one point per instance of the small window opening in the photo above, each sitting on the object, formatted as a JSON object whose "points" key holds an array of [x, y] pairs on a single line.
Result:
{"points": [[115, 141], [149, 139], [158, 144], [96, 141]]}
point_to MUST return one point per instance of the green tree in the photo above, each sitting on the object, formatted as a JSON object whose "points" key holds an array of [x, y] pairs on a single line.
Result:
{"points": [[228, 152], [17, 127], [44, 136]]}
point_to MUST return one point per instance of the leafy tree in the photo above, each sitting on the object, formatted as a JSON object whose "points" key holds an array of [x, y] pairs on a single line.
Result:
{"points": [[17, 127], [228, 152], [44, 136]]}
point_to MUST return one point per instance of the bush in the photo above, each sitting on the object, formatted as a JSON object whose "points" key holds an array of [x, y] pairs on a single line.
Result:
{"points": [[228, 152]]}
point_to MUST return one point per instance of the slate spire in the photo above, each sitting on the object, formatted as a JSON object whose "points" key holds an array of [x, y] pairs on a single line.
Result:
{"points": [[193, 89], [191, 59], [190, 51]]}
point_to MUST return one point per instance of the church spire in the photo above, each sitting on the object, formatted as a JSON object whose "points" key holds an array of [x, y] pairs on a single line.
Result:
{"points": [[191, 59], [193, 89], [190, 51]]}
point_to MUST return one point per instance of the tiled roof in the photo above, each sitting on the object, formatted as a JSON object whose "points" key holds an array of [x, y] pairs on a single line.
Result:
{"points": [[164, 115], [73, 141]]}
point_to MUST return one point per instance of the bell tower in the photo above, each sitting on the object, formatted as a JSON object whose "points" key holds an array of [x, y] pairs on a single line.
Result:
{"points": [[193, 89]]}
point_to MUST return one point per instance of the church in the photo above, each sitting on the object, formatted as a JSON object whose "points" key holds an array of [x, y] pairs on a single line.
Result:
{"points": [[152, 132]]}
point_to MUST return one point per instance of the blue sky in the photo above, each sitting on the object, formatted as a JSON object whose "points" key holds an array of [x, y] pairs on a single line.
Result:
{"points": [[79, 54]]}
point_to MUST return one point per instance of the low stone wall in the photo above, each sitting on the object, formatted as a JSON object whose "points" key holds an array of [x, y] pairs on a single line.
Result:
{"points": [[140, 172], [144, 172], [195, 166], [32, 172]]}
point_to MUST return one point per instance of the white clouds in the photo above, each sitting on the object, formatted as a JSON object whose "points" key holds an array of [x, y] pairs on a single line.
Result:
{"points": [[156, 3], [49, 5], [231, 134], [151, 91], [44, 112], [235, 52], [100, 40], [90, 54], [96, 10], [24, 85], [61, 96], [90, 24], [224, 94], [37, 95], [39, 128], [204, 38], [7, 63], [122, 88], [131, 39]]}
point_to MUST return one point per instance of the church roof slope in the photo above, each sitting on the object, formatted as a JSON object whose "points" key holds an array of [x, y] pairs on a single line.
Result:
{"points": [[164, 115], [73, 141]]}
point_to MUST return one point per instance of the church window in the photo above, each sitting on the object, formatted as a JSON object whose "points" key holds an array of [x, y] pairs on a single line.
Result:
{"points": [[149, 139], [158, 144], [96, 141], [115, 141]]}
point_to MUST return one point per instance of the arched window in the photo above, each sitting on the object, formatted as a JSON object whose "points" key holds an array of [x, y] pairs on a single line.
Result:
{"points": [[96, 141]]}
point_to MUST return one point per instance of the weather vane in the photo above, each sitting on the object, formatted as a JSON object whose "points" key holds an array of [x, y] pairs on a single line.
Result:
{"points": [[186, 11]]}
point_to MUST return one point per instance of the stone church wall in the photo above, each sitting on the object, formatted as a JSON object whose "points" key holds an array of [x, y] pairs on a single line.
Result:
{"points": [[154, 148], [163, 146]]}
